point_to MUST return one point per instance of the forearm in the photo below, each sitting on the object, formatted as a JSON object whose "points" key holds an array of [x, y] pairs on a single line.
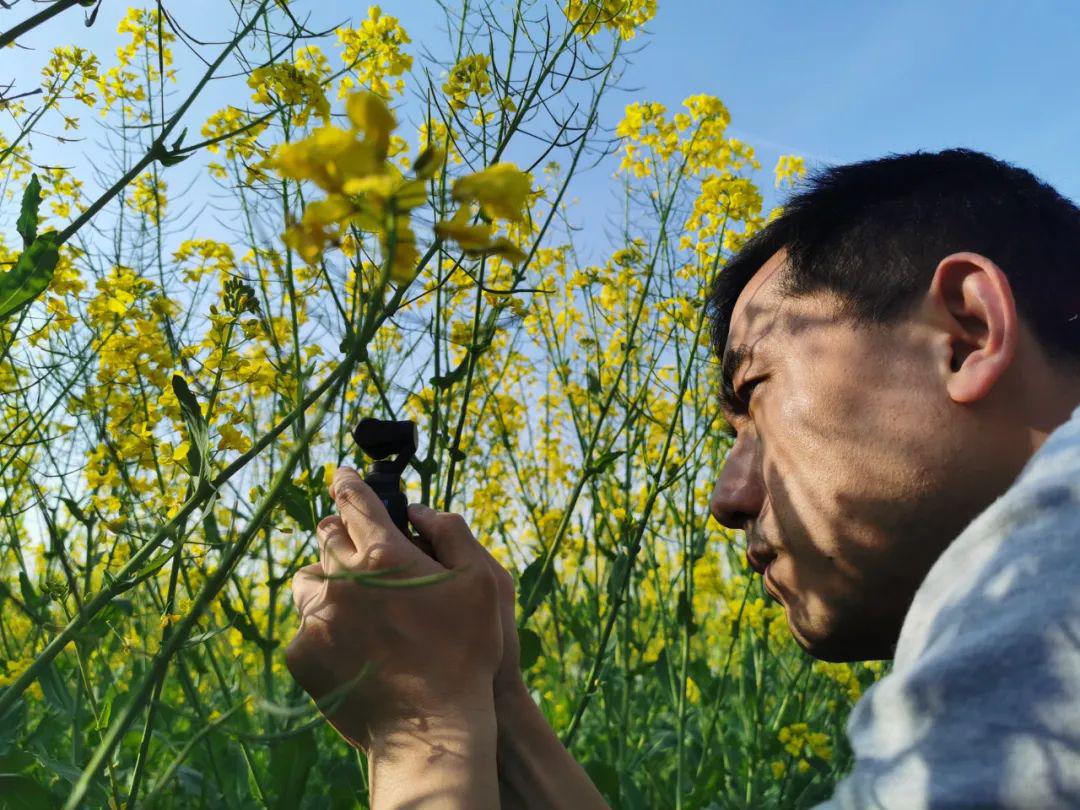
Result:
{"points": [[446, 763], [535, 770]]}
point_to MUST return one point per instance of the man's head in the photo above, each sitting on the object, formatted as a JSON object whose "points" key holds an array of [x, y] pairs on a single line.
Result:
{"points": [[906, 334]]}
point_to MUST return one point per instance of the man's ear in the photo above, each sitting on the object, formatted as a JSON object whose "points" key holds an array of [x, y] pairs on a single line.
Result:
{"points": [[975, 299]]}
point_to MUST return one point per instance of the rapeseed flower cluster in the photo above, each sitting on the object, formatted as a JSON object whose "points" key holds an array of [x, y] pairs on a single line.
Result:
{"points": [[292, 86], [138, 61], [375, 53], [468, 77], [801, 743], [72, 72], [789, 168], [363, 190], [624, 17]]}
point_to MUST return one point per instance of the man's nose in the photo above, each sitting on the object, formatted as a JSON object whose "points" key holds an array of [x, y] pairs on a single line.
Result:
{"points": [[739, 491]]}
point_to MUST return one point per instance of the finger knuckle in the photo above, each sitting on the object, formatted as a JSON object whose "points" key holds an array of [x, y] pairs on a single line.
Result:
{"points": [[329, 524], [300, 654], [503, 578], [484, 581], [348, 494], [380, 554], [455, 522], [298, 591]]}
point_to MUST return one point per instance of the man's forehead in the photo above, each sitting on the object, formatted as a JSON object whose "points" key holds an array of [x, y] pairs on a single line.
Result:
{"points": [[758, 304]]}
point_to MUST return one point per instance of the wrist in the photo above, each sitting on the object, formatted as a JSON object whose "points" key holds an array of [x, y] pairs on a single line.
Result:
{"points": [[450, 730], [513, 705], [445, 756], [535, 770], [472, 710]]}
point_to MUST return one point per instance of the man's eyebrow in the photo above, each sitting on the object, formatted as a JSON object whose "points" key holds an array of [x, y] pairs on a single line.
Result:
{"points": [[733, 360]]}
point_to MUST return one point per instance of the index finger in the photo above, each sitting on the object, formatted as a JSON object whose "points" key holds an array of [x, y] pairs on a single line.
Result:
{"points": [[369, 523]]}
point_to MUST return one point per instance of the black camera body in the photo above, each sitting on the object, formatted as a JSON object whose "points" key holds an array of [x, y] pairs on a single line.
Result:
{"points": [[380, 439]]}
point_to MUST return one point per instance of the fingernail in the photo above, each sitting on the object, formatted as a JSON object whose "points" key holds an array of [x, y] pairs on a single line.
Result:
{"points": [[418, 509]]}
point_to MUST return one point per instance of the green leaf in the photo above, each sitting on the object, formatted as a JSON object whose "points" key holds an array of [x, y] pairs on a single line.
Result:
{"points": [[18, 792], [171, 159], [56, 691], [77, 512], [15, 762], [532, 587], [201, 638], [345, 784], [12, 722], [605, 461], [30, 276], [582, 631], [684, 613], [290, 765], [109, 616], [530, 647], [605, 777], [594, 382], [105, 713], [89, 21], [155, 563], [197, 429], [26, 588], [28, 217], [297, 505], [96, 796], [444, 381], [247, 630], [706, 681], [618, 573], [166, 158], [211, 530], [632, 797]]}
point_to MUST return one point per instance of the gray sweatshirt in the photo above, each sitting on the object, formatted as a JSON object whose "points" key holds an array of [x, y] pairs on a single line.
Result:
{"points": [[982, 708]]}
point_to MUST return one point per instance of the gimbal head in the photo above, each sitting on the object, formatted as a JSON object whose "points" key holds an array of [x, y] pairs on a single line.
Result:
{"points": [[379, 439]]}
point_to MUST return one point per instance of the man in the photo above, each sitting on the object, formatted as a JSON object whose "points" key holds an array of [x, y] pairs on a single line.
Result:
{"points": [[901, 365]]}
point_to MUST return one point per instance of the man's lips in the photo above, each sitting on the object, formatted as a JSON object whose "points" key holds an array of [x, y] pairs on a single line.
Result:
{"points": [[759, 555], [769, 585]]}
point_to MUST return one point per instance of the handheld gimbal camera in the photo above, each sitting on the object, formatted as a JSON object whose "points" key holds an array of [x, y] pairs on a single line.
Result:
{"points": [[380, 438]]}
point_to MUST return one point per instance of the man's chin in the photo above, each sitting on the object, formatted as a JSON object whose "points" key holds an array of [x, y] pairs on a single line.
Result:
{"points": [[826, 642]]}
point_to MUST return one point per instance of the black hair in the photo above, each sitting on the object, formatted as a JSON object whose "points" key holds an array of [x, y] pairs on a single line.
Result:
{"points": [[874, 232]]}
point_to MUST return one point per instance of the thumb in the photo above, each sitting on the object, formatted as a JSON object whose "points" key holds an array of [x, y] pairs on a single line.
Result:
{"points": [[448, 534]]}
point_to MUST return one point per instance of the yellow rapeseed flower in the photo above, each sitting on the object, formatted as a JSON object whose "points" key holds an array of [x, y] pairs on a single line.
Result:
{"points": [[502, 190], [369, 114], [374, 51], [624, 17], [469, 237], [789, 168], [328, 157], [467, 77]]}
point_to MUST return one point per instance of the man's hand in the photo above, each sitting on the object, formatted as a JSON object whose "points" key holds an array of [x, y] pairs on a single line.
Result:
{"points": [[421, 670], [535, 770], [438, 527], [417, 655]]}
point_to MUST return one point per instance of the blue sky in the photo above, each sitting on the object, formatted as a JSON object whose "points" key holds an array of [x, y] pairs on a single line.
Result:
{"points": [[844, 81], [832, 81]]}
